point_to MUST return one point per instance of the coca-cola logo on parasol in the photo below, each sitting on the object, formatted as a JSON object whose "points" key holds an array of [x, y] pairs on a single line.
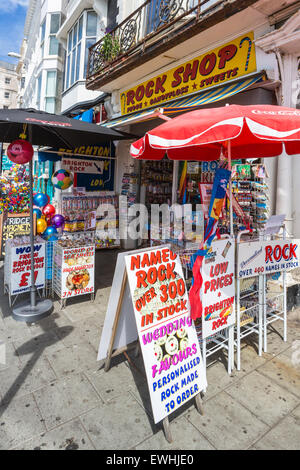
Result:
{"points": [[277, 113]]}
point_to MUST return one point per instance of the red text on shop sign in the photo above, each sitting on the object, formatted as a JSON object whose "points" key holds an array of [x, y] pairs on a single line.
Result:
{"points": [[190, 71], [277, 252], [221, 278]]}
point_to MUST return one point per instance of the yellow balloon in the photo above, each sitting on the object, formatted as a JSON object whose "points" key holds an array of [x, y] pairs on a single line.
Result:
{"points": [[41, 226]]}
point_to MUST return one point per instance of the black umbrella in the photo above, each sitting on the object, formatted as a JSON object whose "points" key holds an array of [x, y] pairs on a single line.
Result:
{"points": [[55, 131]]}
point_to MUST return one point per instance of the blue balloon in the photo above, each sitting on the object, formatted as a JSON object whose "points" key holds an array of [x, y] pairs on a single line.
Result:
{"points": [[38, 213], [50, 232], [54, 238], [40, 200]]}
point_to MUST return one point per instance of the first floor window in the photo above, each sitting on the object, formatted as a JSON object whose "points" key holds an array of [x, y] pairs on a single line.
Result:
{"points": [[51, 87], [80, 38]]}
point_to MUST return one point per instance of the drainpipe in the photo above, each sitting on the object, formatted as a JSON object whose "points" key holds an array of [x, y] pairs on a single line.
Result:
{"points": [[284, 194]]}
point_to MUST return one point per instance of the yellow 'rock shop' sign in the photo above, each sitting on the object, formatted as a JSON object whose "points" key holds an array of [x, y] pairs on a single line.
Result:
{"points": [[225, 63]]}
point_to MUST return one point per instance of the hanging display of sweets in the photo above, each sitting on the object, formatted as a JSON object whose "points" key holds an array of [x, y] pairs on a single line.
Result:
{"points": [[14, 190]]}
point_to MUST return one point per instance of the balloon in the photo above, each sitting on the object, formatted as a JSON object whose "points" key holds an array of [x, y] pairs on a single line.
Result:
{"points": [[58, 220], [49, 220], [20, 152], [54, 238], [49, 210], [49, 232], [62, 179], [38, 213], [40, 200], [41, 226]]}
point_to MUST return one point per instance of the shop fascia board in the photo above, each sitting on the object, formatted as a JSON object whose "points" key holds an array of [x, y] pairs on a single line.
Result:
{"points": [[179, 61], [184, 52]]}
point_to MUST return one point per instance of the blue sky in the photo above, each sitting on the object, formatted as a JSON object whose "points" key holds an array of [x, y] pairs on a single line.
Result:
{"points": [[12, 20]]}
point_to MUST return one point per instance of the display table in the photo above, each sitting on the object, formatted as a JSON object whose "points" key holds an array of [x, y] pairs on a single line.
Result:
{"points": [[73, 271]]}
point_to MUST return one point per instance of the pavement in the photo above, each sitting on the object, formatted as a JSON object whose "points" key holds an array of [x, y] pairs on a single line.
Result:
{"points": [[55, 395]]}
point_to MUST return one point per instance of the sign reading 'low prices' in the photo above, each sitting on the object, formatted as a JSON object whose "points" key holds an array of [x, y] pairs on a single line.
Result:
{"points": [[216, 67], [218, 288], [167, 335], [78, 267], [20, 278], [267, 257]]}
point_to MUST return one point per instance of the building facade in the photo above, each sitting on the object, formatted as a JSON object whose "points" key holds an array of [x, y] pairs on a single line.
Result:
{"points": [[148, 42], [8, 86], [85, 23], [42, 59]]}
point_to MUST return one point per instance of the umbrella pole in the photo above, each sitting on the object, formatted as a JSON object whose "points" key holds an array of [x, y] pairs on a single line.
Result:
{"points": [[230, 189], [32, 288], [33, 311]]}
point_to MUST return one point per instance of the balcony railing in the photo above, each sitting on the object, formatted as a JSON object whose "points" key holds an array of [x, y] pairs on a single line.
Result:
{"points": [[146, 26]]}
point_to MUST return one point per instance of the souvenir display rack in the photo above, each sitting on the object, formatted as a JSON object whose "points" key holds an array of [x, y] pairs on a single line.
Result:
{"points": [[251, 193], [157, 177], [82, 214]]}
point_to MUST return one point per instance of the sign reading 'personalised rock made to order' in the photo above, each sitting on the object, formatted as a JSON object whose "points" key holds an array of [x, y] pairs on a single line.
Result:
{"points": [[167, 335]]}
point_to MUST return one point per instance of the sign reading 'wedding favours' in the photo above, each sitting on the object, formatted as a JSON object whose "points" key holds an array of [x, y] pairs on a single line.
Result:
{"points": [[218, 290], [167, 335], [267, 257]]}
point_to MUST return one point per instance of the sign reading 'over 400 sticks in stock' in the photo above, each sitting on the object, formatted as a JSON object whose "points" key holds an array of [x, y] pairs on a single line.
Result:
{"points": [[167, 335]]}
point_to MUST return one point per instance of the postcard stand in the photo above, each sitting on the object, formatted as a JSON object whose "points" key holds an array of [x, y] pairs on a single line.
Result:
{"points": [[136, 347]]}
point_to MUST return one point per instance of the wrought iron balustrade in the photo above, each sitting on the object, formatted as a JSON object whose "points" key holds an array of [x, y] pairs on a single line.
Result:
{"points": [[147, 24]]}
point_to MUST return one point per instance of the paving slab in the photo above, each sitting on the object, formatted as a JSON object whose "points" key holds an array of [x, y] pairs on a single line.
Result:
{"points": [[227, 424], [282, 371], [185, 437], [250, 359], [42, 344], [64, 400], [74, 359], [119, 425], [19, 422], [284, 436], [70, 436], [10, 356], [115, 382], [19, 380], [267, 400], [83, 331], [218, 379], [293, 354], [13, 331], [296, 413], [56, 320]]}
